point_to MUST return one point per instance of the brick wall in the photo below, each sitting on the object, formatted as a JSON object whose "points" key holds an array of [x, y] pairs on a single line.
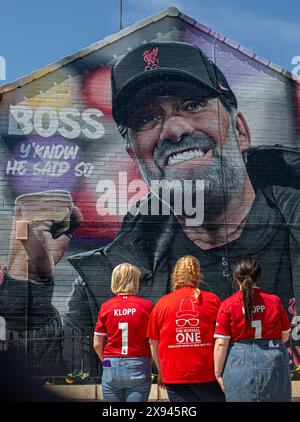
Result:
{"points": [[57, 133]]}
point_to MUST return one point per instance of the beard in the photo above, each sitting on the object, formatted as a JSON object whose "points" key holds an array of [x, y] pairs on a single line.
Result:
{"points": [[223, 176]]}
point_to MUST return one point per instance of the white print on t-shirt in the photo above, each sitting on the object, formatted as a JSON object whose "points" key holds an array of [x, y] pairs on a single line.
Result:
{"points": [[187, 325], [256, 308], [126, 311]]}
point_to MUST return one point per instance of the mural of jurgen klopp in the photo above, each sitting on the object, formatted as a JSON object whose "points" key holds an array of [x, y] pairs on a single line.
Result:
{"points": [[180, 120]]}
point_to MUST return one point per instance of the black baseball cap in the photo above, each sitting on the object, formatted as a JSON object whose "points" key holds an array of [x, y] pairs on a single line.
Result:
{"points": [[160, 63]]}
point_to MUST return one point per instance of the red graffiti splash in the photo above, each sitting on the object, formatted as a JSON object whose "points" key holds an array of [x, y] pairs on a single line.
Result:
{"points": [[96, 90], [292, 306]]}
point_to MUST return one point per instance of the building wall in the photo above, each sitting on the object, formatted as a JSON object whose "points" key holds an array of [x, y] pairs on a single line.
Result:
{"points": [[57, 133]]}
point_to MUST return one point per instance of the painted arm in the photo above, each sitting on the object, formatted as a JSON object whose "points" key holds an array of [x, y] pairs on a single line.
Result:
{"points": [[220, 352]]}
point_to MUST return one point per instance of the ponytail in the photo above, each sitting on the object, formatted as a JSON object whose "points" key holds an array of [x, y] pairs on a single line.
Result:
{"points": [[248, 299], [247, 272], [186, 273]]}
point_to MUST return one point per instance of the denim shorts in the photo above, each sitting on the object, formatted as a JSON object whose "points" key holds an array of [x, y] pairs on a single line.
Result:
{"points": [[126, 379], [257, 371]]}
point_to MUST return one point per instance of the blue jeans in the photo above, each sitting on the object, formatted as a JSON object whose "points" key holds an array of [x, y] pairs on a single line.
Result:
{"points": [[126, 379], [195, 392], [257, 371]]}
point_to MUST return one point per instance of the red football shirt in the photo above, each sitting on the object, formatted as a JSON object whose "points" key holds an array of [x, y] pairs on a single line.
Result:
{"points": [[184, 329], [124, 320], [269, 317]]}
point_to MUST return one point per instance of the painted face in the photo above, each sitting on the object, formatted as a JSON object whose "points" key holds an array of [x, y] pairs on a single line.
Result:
{"points": [[187, 136]]}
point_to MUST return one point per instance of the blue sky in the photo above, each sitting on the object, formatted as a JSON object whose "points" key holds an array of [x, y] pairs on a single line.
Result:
{"points": [[35, 33]]}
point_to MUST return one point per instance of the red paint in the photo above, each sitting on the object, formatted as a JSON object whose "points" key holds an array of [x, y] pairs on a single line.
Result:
{"points": [[97, 90], [1, 276], [297, 97], [85, 198]]}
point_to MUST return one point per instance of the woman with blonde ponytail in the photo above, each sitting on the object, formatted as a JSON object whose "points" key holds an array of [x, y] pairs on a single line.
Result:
{"points": [[251, 329], [181, 330]]}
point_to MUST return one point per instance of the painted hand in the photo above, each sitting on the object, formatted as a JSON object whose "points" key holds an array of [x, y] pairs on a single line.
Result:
{"points": [[42, 226]]}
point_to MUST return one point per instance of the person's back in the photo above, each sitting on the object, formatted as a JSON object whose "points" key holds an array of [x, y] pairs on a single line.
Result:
{"points": [[123, 321], [267, 317], [125, 318], [186, 328], [251, 360], [181, 330]]}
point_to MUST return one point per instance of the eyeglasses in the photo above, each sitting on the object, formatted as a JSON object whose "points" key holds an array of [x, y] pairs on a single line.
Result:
{"points": [[193, 322]]}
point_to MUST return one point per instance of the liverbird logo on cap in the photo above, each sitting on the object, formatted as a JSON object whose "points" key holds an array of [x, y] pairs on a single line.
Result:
{"points": [[150, 57]]}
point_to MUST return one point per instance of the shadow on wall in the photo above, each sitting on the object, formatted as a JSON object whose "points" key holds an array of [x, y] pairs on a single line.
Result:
{"points": [[16, 384]]}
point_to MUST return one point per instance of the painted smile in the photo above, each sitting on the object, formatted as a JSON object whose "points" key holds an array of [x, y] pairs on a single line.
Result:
{"points": [[185, 155]]}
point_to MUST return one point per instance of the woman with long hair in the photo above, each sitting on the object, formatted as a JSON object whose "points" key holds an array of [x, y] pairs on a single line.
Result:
{"points": [[181, 330], [251, 360], [123, 322]]}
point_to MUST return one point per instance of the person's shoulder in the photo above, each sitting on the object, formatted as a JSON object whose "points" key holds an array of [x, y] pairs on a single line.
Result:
{"points": [[166, 299], [143, 302], [112, 301], [211, 296], [232, 299], [269, 296], [277, 193], [82, 256], [92, 265], [284, 170], [109, 304]]}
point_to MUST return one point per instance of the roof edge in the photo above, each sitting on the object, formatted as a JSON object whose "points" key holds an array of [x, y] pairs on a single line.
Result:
{"points": [[172, 12]]}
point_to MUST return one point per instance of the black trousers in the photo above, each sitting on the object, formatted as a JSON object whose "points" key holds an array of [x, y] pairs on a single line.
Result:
{"points": [[195, 392]]}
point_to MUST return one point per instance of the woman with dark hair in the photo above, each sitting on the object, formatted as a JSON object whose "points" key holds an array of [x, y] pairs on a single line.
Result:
{"points": [[181, 333], [252, 327]]}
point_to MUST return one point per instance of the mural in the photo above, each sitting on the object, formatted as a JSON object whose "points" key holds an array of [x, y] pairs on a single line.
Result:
{"points": [[164, 142]]}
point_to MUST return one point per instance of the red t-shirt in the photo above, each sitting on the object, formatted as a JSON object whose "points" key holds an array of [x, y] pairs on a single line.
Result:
{"points": [[269, 317], [124, 320], [184, 329]]}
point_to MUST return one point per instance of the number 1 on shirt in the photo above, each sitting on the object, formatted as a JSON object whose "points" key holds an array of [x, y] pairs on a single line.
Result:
{"points": [[124, 327], [258, 328]]}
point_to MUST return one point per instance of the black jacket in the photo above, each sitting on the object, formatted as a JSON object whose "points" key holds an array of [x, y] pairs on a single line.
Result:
{"points": [[271, 233]]}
